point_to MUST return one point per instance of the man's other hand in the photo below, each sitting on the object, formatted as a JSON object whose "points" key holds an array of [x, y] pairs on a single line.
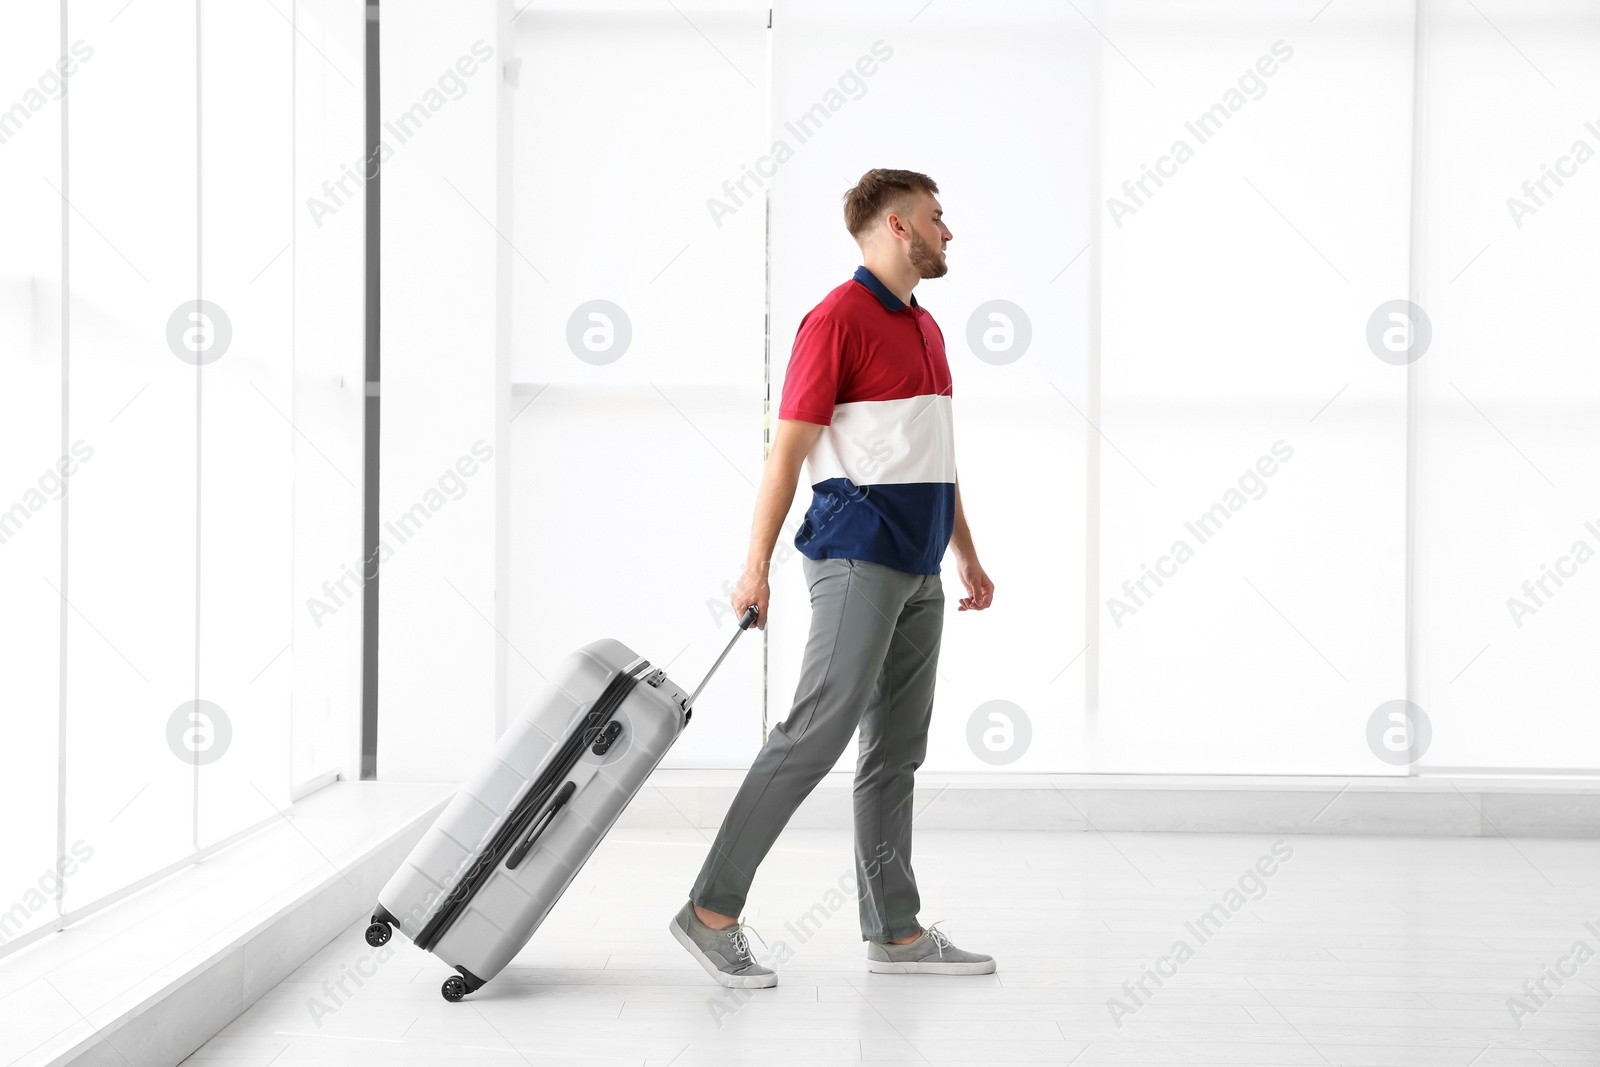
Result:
{"points": [[980, 590]]}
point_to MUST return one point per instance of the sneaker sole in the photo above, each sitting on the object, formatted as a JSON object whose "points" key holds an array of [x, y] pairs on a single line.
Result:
{"points": [[732, 981], [888, 967]]}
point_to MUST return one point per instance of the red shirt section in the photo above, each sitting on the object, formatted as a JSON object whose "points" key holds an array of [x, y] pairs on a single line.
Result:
{"points": [[853, 347]]}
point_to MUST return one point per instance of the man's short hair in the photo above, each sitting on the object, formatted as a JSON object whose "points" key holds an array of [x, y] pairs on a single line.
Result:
{"points": [[878, 191]]}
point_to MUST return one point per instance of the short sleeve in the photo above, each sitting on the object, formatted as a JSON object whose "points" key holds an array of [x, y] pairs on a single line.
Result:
{"points": [[816, 371]]}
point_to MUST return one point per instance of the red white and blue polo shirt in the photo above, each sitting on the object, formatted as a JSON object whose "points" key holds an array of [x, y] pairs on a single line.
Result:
{"points": [[871, 371]]}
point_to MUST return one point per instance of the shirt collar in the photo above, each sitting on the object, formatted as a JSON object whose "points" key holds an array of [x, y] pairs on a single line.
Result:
{"points": [[881, 291]]}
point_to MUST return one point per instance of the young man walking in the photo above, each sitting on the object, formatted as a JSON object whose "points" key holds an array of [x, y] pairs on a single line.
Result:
{"points": [[866, 402]]}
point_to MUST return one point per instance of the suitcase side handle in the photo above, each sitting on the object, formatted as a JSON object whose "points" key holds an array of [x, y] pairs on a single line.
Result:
{"points": [[549, 815], [745, 622]]}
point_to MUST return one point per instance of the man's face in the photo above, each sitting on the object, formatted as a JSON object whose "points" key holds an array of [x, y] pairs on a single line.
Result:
{"points": [[924, 221]]}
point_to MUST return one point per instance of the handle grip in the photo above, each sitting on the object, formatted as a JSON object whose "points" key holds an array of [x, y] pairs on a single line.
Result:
{"points": [[749, 617]]}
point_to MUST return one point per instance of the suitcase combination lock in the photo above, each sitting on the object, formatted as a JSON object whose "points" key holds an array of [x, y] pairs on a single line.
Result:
{"points": [[607, 738]]}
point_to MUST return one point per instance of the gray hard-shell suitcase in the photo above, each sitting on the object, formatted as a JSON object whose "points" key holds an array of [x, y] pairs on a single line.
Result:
{"points": [[502, 852]]}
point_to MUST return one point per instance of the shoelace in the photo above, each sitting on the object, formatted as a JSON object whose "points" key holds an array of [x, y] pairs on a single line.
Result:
{"points": [[938, 936], [741, 944]]}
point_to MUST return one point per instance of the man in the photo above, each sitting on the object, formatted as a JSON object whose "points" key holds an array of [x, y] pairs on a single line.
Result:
{"points": [[866, 402]]}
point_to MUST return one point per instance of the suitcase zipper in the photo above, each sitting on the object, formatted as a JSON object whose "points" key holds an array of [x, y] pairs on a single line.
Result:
{"points": [[532, 803]]}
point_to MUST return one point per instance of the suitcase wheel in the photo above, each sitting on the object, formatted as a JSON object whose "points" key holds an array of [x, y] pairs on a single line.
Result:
{"points": [[454, 988], [379, 934]]}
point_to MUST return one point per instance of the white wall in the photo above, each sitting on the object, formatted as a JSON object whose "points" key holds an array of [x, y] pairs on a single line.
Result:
{"points": [[445, 389], [1185, 338], [1508, 440], [1234, 306], [982, 100], [633, 480]]}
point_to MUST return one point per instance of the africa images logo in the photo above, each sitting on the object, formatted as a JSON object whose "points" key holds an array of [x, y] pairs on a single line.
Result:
{"points": [[199, 332], [199, 732]]}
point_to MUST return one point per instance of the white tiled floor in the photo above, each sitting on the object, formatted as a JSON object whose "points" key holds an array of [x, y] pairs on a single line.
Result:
{"points": [[1360, 951]]}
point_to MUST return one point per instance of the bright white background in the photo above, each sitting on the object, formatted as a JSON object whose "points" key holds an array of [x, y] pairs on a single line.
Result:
{"points": [[1170, 349], [1507, 438], [1234, 306], [1020, 449], [633, 481]]}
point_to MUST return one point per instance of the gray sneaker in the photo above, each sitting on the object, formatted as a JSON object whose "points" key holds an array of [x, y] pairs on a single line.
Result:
{"points": [[725, 954], [932, 953]]}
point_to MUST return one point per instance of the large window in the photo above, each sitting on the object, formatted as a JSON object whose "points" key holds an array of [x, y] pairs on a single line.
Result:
{"points": [[174, 447]]}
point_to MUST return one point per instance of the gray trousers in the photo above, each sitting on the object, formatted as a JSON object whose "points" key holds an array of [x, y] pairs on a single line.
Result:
{"points": [[870, 661]]}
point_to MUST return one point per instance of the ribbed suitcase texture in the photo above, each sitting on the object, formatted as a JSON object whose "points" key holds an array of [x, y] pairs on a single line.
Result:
{"points": [[496, 920]]}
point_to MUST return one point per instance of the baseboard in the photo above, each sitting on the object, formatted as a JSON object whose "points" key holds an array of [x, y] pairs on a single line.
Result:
{"points": [[1453, 806]]}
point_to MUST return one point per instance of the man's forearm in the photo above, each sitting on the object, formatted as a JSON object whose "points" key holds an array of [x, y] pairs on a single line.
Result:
{"points": [[779, 477], [772, 504]]}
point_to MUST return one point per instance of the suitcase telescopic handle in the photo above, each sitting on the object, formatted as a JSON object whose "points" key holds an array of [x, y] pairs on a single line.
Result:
{"points": [[745, 622]]}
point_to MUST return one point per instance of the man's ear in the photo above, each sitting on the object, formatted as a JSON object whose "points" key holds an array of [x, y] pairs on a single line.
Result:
{"points": [[895, 222]]}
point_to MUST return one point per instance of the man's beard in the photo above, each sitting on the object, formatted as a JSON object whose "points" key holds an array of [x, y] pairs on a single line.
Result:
{"points": [[925, 259]]}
